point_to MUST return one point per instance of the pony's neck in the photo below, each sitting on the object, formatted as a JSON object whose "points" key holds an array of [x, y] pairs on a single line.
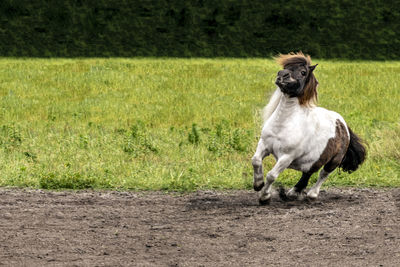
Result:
{"points": [[288, 102], [287, 105], [280, 103]]}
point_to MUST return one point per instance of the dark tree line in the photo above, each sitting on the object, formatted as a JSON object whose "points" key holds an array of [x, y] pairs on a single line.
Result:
{"points": [[352, 29]]}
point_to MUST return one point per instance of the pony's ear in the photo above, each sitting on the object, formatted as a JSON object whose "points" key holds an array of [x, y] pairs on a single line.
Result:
{"points": [[313, 67]]}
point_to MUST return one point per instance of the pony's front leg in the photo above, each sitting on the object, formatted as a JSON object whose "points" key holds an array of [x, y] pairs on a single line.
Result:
{"points": [[256, 160], [281, 164]]}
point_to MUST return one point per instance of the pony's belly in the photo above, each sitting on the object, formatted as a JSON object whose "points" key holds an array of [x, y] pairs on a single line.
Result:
{"points": [[304, 164], [300, 164]]}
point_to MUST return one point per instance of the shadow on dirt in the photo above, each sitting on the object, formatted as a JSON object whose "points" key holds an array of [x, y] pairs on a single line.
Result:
{"points": [[249, 199]]}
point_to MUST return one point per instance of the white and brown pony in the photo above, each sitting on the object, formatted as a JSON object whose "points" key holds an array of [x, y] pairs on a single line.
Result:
{"points": [[300, 135]]}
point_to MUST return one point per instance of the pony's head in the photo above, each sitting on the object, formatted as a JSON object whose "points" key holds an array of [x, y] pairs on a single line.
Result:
{"points": [[297, 78]]}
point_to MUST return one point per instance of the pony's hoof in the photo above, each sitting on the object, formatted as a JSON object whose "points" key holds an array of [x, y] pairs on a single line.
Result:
{"points": [[312, 195], [292, 194], [265, 199], [258, 187], [282, 194], [264, 202]]}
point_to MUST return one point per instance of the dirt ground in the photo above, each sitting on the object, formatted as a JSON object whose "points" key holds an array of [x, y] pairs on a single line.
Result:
{"points": [[348, 227]]}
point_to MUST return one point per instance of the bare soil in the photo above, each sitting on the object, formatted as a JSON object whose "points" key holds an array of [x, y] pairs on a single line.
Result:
{"points": [[348, 227]]}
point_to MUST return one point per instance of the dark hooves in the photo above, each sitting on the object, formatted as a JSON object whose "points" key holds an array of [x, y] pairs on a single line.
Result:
{"points": [[264, 202], [258, 188], [282, 194]]}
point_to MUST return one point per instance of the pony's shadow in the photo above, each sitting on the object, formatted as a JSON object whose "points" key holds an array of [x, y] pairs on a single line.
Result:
{"points": [[249, 200]]}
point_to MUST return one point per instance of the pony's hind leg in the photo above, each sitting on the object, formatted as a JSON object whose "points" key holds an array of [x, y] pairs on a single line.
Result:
{"points": [[314, 191], [297, 190], [256, 160], [324, 173], [281, 164]]}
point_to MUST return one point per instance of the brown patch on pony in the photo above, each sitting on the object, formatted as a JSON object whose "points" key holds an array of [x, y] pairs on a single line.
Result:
{"points": [[310, 94], [334, 151]]}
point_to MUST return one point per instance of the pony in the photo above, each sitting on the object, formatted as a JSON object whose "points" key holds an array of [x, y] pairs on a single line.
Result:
{"points": [[300, 135]]}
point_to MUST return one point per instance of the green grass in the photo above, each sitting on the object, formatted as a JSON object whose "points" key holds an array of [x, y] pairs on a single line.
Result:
{"points": [[174, 124]]}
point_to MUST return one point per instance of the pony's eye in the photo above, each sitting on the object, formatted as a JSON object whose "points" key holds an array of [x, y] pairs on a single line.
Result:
{"points": [[303, 73]]}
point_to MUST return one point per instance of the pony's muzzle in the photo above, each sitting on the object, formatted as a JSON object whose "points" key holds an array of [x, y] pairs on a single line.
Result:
{"points": [[282, 76], [279, 80]]}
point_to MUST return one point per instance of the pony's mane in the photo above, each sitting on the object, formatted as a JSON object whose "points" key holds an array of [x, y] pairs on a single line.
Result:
{"points": [[310, 95], [272, 105]]}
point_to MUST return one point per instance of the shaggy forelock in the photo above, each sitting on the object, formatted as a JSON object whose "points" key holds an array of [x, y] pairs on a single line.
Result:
{"points": [[293, 59]]}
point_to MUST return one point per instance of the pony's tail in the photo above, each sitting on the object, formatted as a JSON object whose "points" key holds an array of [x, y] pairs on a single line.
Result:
{"points": [[355, 155], [272, 105]]}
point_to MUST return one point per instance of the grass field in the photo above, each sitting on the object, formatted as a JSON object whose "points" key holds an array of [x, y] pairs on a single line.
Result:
{"points": [[174, 124]]}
